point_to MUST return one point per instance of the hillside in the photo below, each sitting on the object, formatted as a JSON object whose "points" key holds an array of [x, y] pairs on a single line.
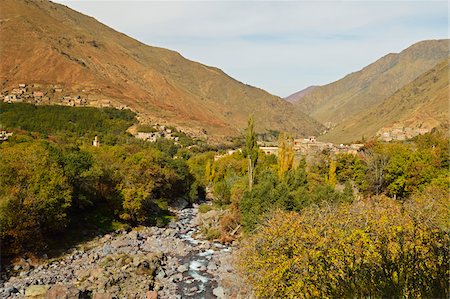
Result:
{"points": [[295, 97], [421, 104], [356, 92], [52, 45]]}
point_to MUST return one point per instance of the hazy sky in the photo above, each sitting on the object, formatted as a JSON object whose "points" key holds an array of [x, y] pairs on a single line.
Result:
{"points": [[280, 46]]}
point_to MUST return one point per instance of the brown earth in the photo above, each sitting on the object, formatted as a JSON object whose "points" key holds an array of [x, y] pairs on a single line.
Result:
{"points": [[51, 44], [355, 93]]}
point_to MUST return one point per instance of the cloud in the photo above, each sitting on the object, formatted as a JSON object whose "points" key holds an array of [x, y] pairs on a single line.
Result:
{"points": [[279, 46]]}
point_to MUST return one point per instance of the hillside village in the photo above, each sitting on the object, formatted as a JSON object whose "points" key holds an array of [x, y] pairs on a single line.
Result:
{"points": [[41, 94], [400, 133]]}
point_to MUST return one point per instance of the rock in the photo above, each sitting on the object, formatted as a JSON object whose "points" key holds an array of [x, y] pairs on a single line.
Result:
{"points": [[183, 268], [219, 293], [161, 274], [106, 249], [36, 291], [9, 291], [62, 292], [152, 295], [177, 277], [102, 296], [180, 203], [17, 267], [212, 266]]}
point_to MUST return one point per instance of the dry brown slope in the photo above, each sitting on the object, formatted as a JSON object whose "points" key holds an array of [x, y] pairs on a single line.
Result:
{"points": [[52, 44], [422, 103], [297, 96], [361, 90]]}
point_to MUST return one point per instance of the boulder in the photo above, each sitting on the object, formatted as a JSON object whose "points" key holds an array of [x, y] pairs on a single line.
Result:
{"points": [[102, 296], [219, 293], [62, 292], [183, 268], [152, 295], [36, 291], [179, 203]]}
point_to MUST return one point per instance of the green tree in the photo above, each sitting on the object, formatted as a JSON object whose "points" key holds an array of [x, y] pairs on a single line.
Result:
{"points": [[34, 196], [251, 151]]}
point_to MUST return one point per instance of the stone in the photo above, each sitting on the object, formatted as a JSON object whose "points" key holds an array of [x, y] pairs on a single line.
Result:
{"points": [[151, 295], [101, 295], [36, 291], [183, 268], [161, 274], [212, 266], [219, 293], [62, 292], [106, 249], [180, 203]]}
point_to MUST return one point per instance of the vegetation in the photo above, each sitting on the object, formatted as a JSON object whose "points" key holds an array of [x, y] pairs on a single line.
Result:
{"points": [[68, 123], [251, 151], [371, 248], [339, 226], [53, 185], [373, 224]]}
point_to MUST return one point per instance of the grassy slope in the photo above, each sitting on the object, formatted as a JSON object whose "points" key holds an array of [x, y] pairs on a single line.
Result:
{"points": [[424, 101], [368, 87]]}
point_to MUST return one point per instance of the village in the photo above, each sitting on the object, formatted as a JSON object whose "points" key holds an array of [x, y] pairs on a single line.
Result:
{"points": [[400, 133], [53, 94], [35, 94], [39, 94], [304, 147]]}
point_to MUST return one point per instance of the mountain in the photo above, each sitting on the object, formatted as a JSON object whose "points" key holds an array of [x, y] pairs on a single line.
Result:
{"points": [[356, 92], [295, 97], [420, 105], [50, 45]]}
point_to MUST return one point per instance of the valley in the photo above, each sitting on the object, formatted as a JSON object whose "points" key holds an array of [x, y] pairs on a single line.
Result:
{"points": [[130, 171]]}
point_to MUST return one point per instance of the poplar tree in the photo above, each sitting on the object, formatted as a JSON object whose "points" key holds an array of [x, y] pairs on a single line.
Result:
{"points": [[251, 151], [285, 154]]}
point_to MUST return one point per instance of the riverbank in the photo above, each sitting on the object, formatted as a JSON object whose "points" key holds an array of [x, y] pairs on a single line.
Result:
{"points": [[147, 262]]}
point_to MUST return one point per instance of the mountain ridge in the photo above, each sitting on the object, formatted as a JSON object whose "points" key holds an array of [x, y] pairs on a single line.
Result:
{"points": [[295, 97], [420, 105], [51, 44], [360, 90]]}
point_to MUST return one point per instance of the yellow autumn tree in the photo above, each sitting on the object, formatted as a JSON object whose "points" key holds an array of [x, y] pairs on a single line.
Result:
{"points": [[374, 248], [285, 154]]}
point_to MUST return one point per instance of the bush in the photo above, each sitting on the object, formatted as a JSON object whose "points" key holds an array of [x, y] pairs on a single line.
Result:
{"points": [[34, 196], [371, 248]]}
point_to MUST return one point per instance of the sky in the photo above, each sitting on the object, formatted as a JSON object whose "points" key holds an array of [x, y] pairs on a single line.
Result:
{"points": [[279, 46]]}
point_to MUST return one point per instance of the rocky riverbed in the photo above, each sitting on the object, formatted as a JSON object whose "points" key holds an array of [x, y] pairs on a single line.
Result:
{"points": [[147, 262]]}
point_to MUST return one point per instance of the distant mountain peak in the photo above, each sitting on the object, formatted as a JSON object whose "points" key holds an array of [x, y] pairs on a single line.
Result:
{"points": [[355, 93], [295, 97]]}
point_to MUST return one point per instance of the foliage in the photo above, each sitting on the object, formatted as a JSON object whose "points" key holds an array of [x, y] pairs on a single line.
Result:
{"points": [[251, 151], [68, 122], [370, 248], [34, 196], [285, 154], [54, 187]]}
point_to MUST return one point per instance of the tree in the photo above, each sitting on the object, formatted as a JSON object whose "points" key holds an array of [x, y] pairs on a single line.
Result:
{"points": [[285, 154], [251, 151]]}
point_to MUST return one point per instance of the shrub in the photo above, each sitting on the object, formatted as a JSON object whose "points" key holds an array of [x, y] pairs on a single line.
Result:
{"points": [[371, 248], [34, 196]]}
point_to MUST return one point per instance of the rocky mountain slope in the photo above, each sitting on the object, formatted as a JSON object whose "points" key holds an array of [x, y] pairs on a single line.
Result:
{"points": [[356, 92], [421, 104], [295, 97], [53, 45]]}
